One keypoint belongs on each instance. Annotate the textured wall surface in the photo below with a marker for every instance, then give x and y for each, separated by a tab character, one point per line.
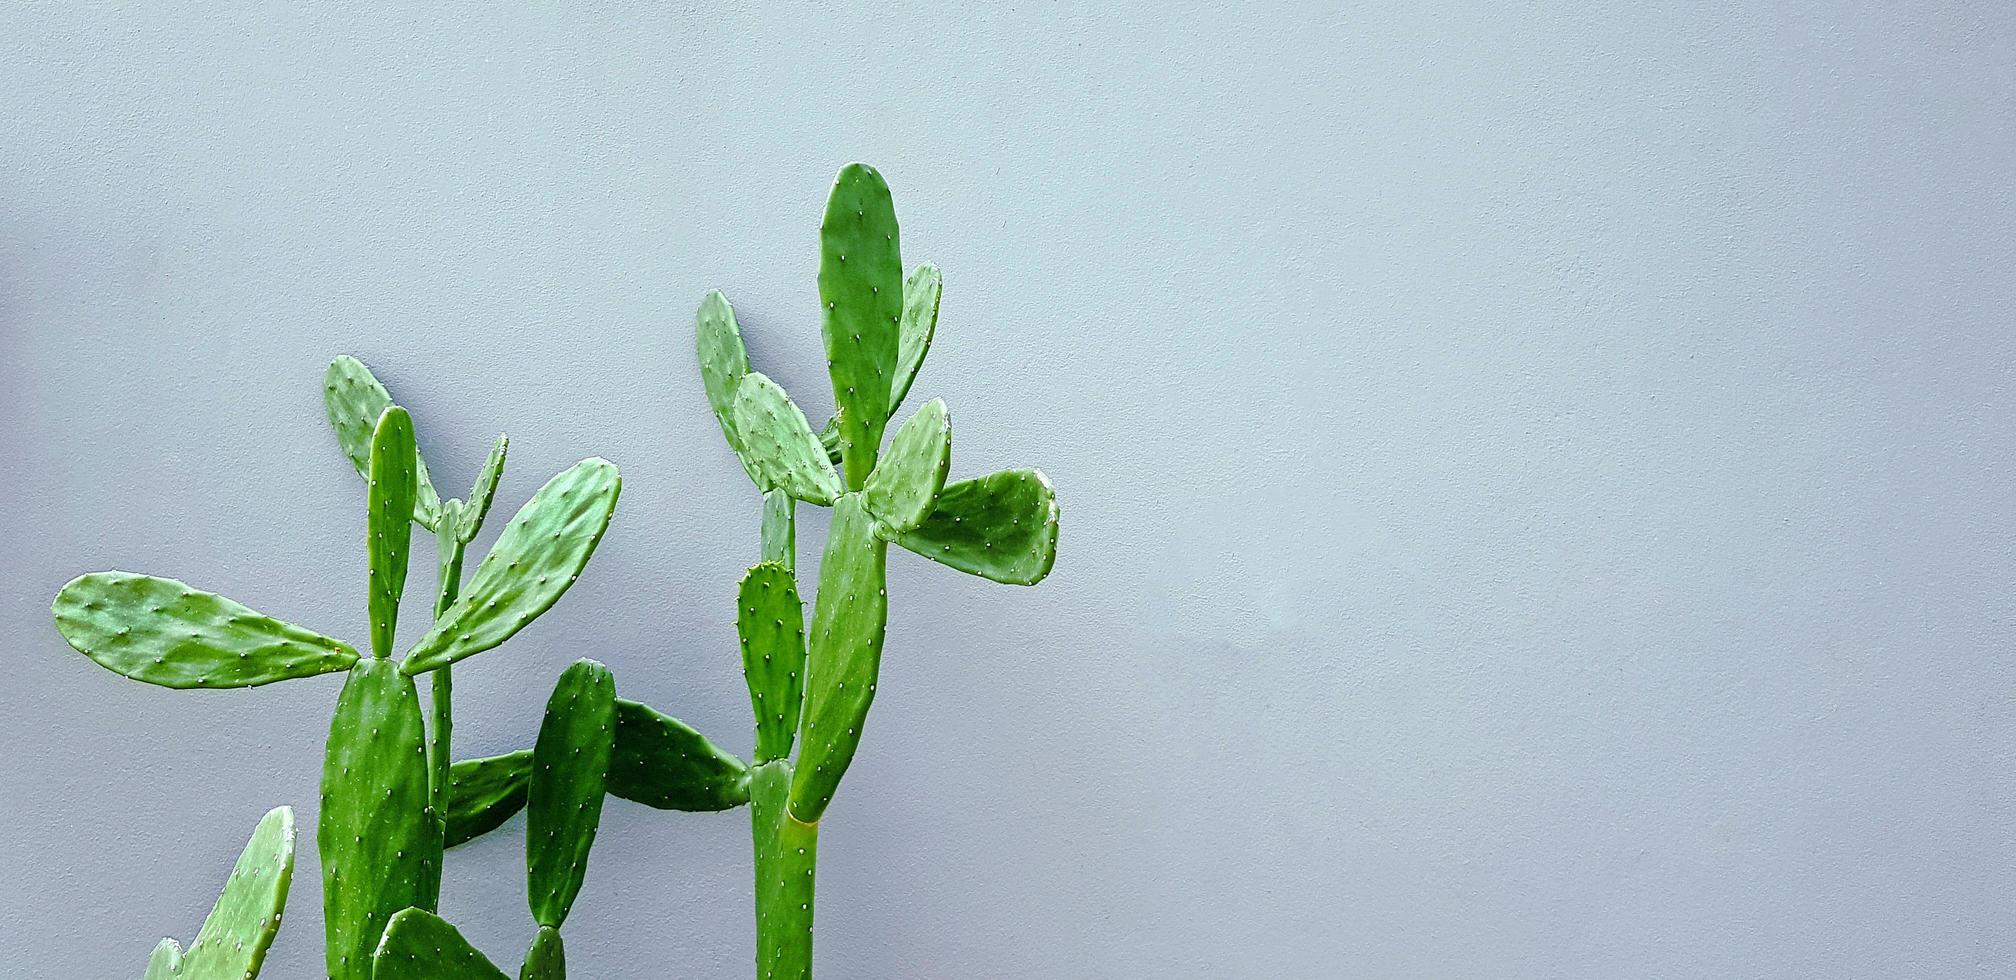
1537	483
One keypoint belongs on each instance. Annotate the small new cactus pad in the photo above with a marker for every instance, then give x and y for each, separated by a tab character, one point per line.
771	624
483	793
470	518
355	401
861	300
920	320
389	540
534	561
779	443
661	762
787	852
844	655
907	480
570	764
381	850
723	362
163	632
419	945
232	944
547	959
167	957
1002	526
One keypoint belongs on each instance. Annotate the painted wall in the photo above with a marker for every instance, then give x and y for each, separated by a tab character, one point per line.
1537	482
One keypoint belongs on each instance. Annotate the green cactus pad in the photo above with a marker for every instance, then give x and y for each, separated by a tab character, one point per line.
390	541
234	939
419	945
780	528
533	563
907	480
381	849
663	763
355	401
163	632
1002	526
861	301
779	443
483	793
771	624
167	957
470	520
845	653
723	362
563	807
547	959
787	851
920	320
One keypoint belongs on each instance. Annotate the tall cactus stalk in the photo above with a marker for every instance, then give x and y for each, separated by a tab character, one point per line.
380	831
815	690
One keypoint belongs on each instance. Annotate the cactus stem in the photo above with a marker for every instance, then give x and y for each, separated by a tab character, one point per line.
787	852
441	723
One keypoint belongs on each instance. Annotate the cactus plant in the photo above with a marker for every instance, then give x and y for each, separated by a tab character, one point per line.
568	774
816	690
381	830
232	943
354	398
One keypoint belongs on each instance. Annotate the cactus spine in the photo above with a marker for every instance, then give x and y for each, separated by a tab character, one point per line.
815	690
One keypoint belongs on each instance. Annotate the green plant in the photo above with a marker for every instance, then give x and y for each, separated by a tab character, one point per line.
233	941
354	399
816	690
379	833
567	776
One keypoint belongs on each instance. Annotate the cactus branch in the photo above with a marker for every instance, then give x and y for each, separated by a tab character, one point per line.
843	658
483	793
419	945
1002	526
780	529
563	807
861	300
381	851
163	632
663	763
233	942
531	566
906	483
786	854
389	539
920	321
779	443
355	401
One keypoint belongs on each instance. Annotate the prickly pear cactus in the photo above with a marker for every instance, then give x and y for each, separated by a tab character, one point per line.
534	562
564	784
419	945
380	850
387	807
483	793
232	944
813	689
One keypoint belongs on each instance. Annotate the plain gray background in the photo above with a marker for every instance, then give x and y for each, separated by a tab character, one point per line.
1536	479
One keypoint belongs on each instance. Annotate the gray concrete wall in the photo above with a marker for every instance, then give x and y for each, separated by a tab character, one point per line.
1536	480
